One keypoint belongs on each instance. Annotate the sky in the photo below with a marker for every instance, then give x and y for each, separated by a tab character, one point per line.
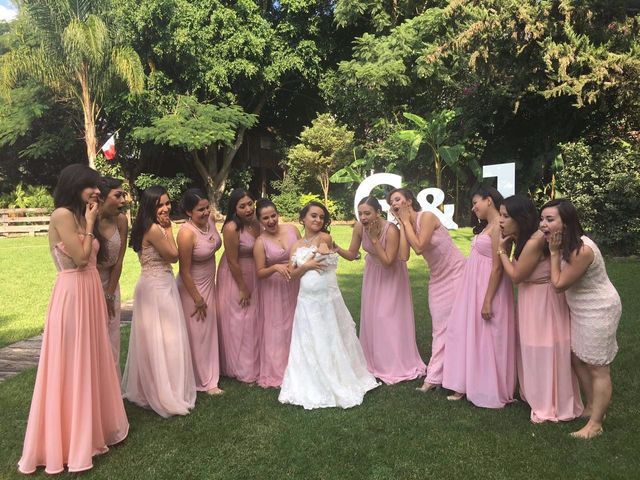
7	10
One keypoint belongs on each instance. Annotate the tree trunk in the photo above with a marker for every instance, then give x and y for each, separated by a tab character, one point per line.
89	112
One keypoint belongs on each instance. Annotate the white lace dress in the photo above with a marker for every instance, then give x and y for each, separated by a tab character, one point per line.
595	310
326	365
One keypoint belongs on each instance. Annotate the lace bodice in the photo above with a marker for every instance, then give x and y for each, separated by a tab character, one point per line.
63	261
152	262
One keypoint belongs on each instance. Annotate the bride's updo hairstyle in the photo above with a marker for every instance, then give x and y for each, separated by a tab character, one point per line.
327	217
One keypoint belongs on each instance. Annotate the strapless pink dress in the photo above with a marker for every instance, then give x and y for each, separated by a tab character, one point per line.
76	409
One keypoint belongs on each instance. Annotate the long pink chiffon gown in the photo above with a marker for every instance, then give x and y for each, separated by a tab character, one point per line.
446	264
277	308
159	372
203	334
387	328
547	382
104	269
76	408
240	330
480	355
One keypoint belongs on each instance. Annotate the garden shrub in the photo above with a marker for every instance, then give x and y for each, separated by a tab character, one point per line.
603	181
29	196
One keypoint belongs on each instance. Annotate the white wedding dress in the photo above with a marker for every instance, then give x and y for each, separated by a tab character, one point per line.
326	365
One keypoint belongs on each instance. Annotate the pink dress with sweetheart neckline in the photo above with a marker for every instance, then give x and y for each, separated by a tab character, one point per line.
387	328
480	355
277	308
203	334
240	329
76	409
446	264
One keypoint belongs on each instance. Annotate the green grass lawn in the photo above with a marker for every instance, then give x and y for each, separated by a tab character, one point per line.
396	433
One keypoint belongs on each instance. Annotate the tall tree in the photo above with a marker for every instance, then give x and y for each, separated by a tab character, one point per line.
324	148
203	131
71	51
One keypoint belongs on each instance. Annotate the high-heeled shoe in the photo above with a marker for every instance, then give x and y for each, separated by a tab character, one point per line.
455	397
427	387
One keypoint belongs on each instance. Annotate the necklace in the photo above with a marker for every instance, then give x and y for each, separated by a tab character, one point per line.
204	232
307	241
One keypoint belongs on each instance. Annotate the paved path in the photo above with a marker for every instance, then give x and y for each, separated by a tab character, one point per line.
24	354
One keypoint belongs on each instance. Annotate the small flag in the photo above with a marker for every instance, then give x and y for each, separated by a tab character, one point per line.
109	147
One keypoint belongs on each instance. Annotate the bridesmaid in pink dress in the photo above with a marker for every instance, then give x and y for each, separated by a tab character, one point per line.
578	269
159	372
112	234
387	328
76	410
480	348
238	295
198	241
547	382
429	238
278	292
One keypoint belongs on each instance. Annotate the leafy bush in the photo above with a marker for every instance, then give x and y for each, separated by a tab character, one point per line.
30	196
287	201
603	181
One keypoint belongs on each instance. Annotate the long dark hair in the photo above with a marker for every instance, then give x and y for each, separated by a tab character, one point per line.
408	195
571	236
327	216
191	198
146	216
105	185
234	198
485	192
522	210
262	204
72	180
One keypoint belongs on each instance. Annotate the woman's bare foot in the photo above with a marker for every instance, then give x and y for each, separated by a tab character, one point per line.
589	431
455	396
215	391
426	386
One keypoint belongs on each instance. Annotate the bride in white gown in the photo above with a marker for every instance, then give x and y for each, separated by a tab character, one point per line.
326	366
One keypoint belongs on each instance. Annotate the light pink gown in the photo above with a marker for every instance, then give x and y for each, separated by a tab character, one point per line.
203	335
480	355
240	329
277	308
159	372
104	269
76	409
387	328
547	382
446	264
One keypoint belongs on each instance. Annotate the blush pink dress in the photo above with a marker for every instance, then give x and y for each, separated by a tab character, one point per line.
104	269
480	355
159	372
277	308
76	409
446	264
547	382
240	329
387	328
203	334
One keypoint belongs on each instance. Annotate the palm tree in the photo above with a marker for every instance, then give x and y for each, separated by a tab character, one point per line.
75	55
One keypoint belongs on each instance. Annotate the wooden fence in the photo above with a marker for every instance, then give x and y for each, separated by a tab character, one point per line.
23	221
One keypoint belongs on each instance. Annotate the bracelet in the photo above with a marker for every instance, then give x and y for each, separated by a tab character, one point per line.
109	296
501	252
90	234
